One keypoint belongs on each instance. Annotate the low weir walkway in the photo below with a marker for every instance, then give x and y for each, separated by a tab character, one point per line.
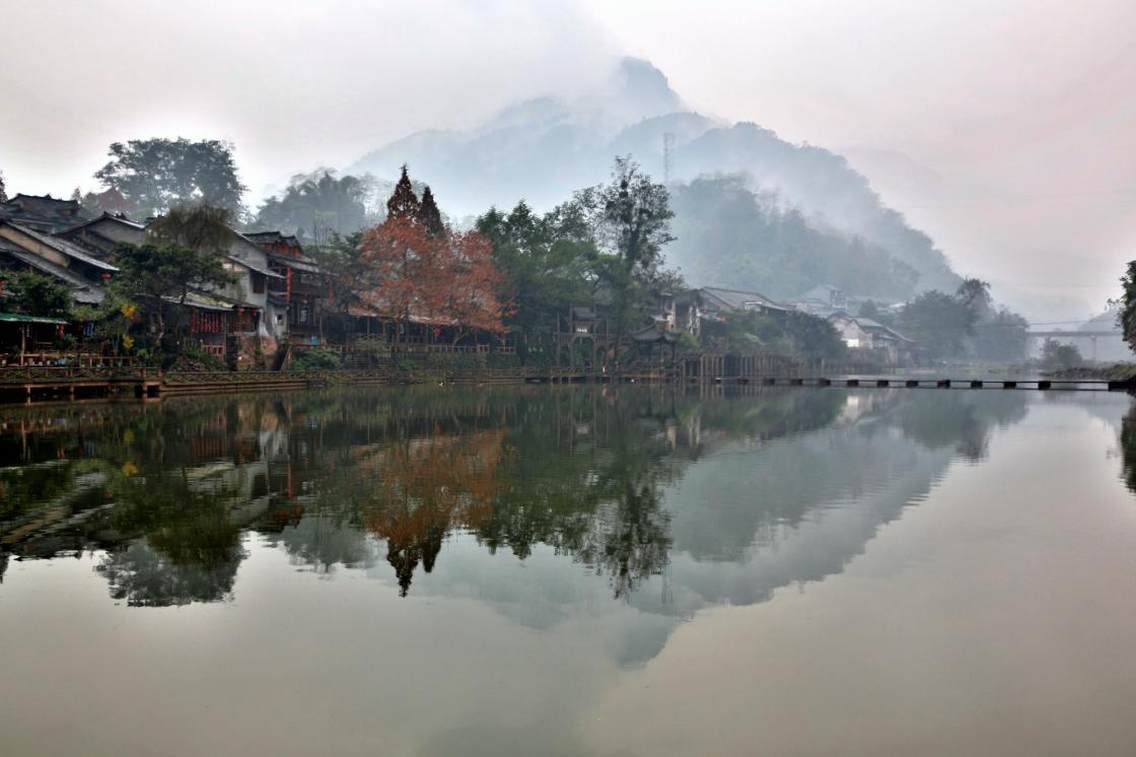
26	385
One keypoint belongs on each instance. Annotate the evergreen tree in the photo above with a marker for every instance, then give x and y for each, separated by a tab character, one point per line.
403	203
3	192
428	214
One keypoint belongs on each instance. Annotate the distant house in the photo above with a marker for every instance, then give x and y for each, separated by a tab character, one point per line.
822	300
866	334
687	310
44	214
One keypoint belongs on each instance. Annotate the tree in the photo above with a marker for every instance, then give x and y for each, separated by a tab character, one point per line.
403	203
938	322
546	266
1057	356
161	274
814	338
397	257
197	226
792	334
732	236
636	215
315	208
974	294
469	283
628	222
1001	335
32	293
411	270
343	265
429	215
3	191
156	174
108	201
869	309
1126	314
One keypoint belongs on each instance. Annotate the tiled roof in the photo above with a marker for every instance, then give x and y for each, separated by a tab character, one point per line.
737	299
44	214
83	290
61	245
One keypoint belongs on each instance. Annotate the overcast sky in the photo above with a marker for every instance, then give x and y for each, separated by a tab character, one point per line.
1004	128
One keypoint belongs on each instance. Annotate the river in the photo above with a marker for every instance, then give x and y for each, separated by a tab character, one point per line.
571	571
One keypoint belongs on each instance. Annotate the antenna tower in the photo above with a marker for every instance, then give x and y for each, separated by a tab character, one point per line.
668	145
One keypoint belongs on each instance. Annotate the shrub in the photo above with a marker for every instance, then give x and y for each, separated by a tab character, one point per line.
318	359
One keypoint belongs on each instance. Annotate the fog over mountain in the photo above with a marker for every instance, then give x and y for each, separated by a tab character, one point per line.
545	148
1001	129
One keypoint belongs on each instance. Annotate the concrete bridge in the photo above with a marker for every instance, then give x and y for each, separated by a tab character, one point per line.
1078	338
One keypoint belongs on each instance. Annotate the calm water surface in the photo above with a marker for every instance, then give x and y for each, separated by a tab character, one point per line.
571	572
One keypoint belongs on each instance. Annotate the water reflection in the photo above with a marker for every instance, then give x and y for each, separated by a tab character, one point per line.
713	498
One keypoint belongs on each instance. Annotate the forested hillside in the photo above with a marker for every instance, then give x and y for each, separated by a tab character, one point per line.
814	220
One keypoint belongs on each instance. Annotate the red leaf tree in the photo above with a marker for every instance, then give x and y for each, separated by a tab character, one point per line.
470	284
417	269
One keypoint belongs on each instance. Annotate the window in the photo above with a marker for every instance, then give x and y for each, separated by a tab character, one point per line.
257	282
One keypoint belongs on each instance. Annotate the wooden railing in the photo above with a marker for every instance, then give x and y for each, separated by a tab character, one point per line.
56	359
45	374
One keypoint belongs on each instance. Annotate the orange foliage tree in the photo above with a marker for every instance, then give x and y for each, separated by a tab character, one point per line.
471	284
428	272
398	261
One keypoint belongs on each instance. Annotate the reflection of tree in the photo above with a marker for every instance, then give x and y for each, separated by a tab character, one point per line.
189	548
427	487
170	487
943	419
1128	447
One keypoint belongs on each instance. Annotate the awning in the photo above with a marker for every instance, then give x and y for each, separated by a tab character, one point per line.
18	318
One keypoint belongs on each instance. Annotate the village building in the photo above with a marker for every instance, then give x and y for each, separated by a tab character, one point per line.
99	236
867	335
822	300
22	248
687	310
297	296
45	214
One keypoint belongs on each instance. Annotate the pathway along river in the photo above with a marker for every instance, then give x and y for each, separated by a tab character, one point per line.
565	571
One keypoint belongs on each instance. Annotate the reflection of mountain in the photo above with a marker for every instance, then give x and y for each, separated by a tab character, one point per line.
675	501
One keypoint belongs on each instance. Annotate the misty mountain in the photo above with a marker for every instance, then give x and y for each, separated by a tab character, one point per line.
545	148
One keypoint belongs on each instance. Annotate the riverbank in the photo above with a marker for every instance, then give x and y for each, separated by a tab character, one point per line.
40	384
1114	372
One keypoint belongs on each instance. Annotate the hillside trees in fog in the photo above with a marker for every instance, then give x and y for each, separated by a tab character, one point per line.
965	324
729	236
316	207
604	245
154	175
